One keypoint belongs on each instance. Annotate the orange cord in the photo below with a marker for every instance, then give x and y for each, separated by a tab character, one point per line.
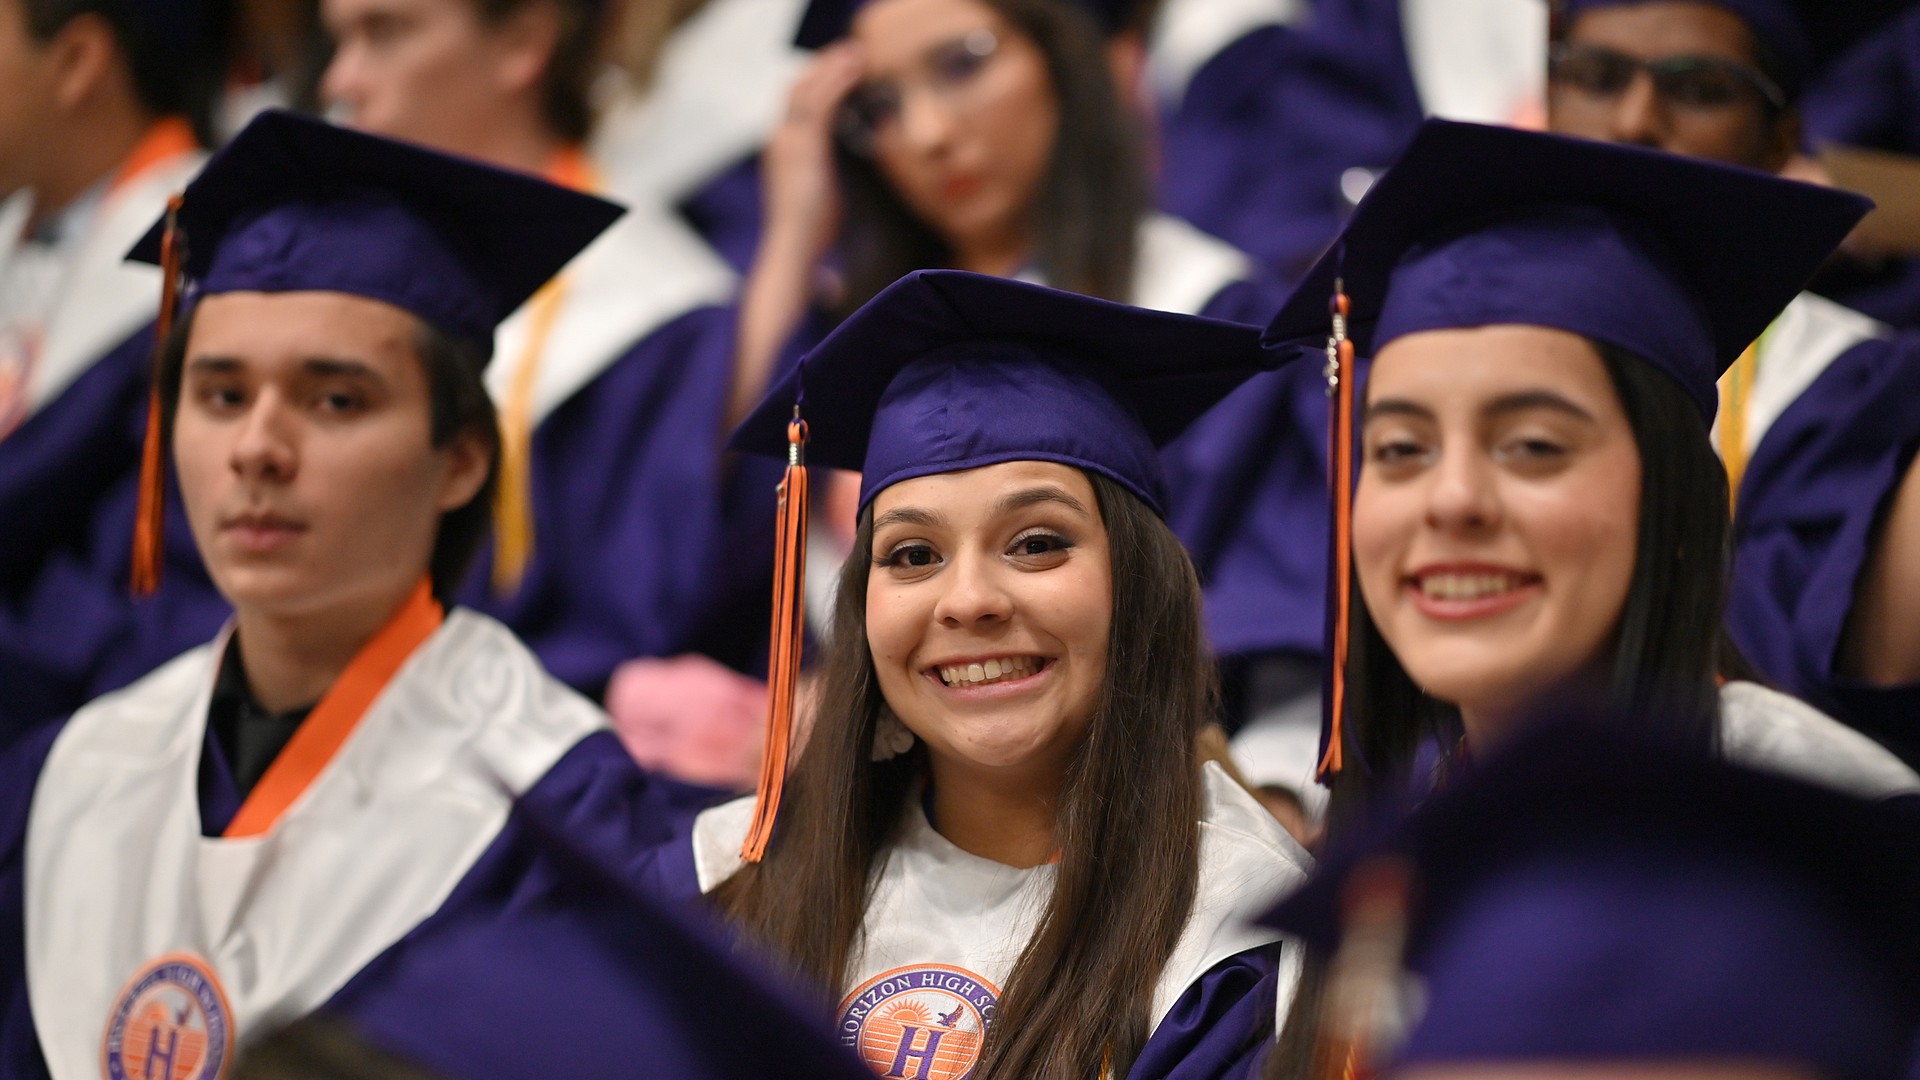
1340	369
783	662
149	521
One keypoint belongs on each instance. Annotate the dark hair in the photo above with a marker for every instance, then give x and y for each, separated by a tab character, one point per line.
1091	200
177	71
1127	825
1669	648
566	85
458	402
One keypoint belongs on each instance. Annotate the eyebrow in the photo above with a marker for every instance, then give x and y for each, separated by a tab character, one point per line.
322	366
1034	496
1500	406
908	515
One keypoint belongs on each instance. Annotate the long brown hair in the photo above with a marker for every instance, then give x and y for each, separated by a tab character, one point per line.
1091	200
1670	647
1082	989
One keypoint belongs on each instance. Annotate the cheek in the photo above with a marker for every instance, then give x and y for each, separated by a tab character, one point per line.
1383	524
1590	530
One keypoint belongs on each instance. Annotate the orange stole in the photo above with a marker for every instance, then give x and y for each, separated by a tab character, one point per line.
338	713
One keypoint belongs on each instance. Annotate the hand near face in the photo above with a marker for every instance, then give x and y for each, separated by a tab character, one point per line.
802	186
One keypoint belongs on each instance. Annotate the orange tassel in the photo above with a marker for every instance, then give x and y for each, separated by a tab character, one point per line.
1340	367
149	521
789	624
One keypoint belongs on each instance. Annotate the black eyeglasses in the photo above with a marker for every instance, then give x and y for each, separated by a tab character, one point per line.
1688	82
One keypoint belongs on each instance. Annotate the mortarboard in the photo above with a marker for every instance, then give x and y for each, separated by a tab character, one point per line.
297	204
827	21
946	370
1680	262
1583	896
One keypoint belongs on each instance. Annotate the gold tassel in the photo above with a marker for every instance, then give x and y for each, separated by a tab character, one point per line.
150	514
789	625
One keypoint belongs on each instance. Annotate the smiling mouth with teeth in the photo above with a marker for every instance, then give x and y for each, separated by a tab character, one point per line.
983	672
1469	586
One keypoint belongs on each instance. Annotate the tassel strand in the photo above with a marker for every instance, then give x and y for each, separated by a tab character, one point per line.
783	664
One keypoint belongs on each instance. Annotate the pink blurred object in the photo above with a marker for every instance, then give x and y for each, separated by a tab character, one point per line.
691	718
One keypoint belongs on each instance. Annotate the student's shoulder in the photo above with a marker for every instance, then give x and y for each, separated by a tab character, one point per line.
1774	732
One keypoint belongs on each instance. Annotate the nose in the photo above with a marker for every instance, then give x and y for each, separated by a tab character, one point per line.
340	83
973	594
265	446
1639	116
1462	497
926	122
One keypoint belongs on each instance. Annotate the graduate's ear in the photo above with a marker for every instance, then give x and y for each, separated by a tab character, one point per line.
1127	61
470	457
528	37
86	59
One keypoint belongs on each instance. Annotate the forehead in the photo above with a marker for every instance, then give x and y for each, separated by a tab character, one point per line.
1473	366
272	329
340	14
895	34
1665	28
971	493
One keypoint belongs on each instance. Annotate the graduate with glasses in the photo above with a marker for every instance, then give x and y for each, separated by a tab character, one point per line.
1816	424
1000	853
316	808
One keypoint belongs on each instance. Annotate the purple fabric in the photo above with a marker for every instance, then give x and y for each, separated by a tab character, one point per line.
69	630
1814	491
608	811
729	213
1248	496
1776	23
646	542
294	203
1871	97
1572	268
1220	1027
1256	148
946	370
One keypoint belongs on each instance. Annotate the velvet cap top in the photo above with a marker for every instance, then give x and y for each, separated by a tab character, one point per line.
1585	897
1681	262
827	21
295	204
946	370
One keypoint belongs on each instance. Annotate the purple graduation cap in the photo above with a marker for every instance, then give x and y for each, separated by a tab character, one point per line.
297	204
946	370
1680	262
827	21
1583	897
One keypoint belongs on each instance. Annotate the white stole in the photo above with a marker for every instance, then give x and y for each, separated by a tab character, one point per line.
118	873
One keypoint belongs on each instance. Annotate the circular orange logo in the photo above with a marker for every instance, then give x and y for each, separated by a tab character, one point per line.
171	1022
923	1022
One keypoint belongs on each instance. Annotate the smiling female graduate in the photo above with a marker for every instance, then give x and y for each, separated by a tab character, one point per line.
1000	851
1539	514
277	815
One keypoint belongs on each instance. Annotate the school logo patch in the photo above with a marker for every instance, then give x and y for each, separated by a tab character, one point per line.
922	1022
172	1022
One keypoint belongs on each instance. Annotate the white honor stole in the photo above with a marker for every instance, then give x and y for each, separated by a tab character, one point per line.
147	940
944	927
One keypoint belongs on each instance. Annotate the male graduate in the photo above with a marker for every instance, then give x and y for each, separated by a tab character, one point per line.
611	538
232	841
100	103
1818	425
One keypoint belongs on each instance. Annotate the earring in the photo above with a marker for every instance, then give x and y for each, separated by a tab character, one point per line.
890	737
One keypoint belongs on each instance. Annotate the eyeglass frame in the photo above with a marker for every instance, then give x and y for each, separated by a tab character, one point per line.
859	134
1770	92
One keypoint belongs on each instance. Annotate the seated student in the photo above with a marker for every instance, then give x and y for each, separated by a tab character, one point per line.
230	840
1589	905
103	101
610	539
991	136
1000	850
1539	512
1817	426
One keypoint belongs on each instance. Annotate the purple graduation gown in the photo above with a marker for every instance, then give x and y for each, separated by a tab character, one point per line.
1256	149
607	809
69	629
728	214
648	539
1816	487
